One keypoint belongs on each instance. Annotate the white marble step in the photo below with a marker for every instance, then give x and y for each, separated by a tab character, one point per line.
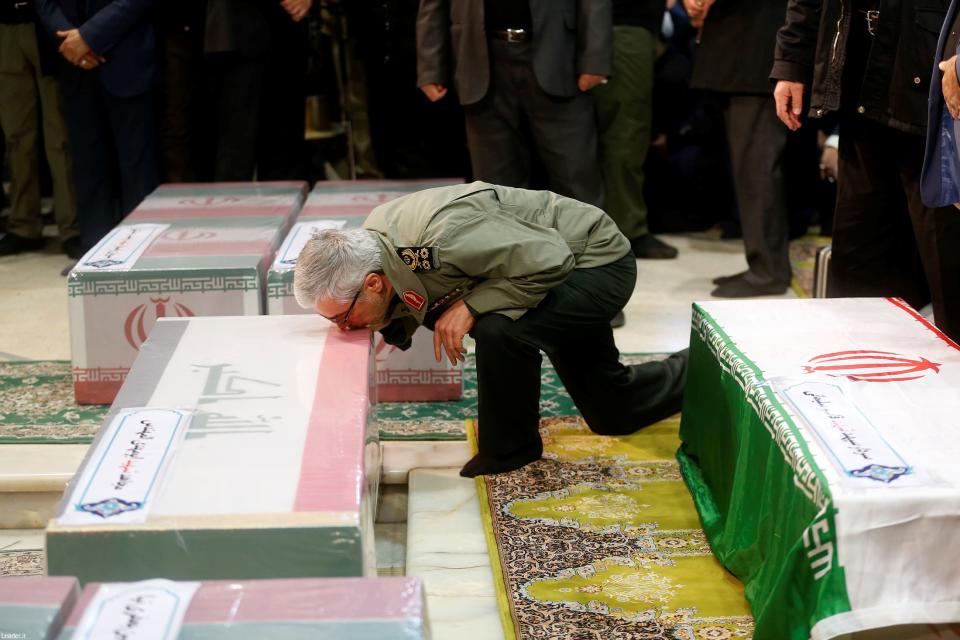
447	549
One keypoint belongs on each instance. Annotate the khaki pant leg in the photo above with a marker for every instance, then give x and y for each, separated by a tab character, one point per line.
57	147
18	118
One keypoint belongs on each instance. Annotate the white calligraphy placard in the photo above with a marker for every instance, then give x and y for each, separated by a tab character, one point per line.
856	448
299	235
120	249
126	469
147	610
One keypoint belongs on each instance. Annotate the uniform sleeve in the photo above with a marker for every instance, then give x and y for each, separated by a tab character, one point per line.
517	262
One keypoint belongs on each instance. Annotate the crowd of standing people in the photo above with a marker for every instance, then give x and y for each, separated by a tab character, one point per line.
588	98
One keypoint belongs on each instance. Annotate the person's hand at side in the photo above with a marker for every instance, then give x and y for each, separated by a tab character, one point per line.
950	86
588	81
296	8
453	324
788	97
434	91
697	10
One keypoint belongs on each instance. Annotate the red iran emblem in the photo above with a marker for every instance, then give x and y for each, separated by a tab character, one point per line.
135	326
414	299
871	366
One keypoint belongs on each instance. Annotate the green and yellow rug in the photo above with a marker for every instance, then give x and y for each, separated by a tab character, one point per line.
600	539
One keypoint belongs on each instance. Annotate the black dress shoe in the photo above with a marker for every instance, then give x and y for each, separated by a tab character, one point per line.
649	247
73	248
726	279
618	320
741	288
11	244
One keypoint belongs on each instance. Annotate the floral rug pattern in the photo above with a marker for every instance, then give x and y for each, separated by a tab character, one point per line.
21	563
600	539
37	405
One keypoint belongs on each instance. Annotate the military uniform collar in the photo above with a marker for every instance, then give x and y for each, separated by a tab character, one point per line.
408	288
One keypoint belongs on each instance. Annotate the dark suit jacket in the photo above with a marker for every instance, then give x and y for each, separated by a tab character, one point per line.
940	180
118	30
241	26
570	37
736	46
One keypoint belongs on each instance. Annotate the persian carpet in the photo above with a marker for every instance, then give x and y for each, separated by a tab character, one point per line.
37	405
21	563
601	539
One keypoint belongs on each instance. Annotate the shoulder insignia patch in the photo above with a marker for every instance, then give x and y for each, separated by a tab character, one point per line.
413	299
419	259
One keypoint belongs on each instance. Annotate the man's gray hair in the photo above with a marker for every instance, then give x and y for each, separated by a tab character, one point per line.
333	265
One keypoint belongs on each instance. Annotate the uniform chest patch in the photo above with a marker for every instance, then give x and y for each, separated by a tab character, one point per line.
419	259
413	299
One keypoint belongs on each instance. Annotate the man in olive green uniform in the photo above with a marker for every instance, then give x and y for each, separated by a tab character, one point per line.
520	271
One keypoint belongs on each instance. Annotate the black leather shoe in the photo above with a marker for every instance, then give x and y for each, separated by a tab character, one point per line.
649	247
618	320
11	244
741	288
726	279
73	248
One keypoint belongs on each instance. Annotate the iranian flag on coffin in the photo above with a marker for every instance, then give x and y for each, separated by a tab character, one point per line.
204	250
338	198
820	440
413	375
238	448
35	606
293	609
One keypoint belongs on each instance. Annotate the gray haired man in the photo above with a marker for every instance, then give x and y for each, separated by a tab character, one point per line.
521	272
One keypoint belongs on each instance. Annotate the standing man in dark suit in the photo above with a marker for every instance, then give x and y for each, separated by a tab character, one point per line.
107	103
734	59
517	64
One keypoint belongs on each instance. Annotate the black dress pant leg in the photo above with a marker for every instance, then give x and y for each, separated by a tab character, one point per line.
572	326
874	248
134	133
94	161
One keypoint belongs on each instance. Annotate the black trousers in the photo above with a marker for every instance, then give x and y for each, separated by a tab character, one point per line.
113	143
886	242
758	142
572	326
563	130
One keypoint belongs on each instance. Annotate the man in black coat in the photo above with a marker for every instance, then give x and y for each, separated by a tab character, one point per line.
870	61
733	58
107	104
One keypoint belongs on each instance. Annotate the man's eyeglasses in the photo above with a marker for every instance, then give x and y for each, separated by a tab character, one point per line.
341	318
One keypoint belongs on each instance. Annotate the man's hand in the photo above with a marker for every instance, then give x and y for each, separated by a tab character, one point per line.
454	323
789	99
434	91
296	8
950	86
588	81
697	10
74	48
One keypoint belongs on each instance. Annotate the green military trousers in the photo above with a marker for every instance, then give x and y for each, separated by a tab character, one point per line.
624	116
